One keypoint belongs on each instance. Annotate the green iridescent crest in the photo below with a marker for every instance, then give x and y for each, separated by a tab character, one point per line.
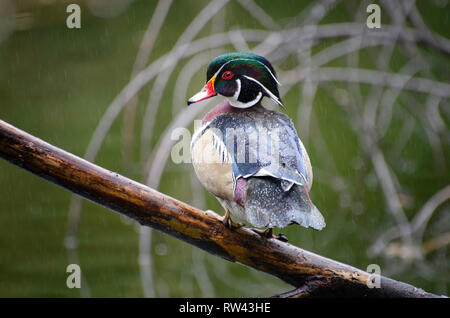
222	59
255	70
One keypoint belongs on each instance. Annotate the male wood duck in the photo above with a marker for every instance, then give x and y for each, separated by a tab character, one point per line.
248	157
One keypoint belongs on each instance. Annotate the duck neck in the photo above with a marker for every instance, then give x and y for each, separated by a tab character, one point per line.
225	107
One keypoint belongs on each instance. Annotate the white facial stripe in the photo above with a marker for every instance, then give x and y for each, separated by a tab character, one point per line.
268	69
234	101
271	95
273	76
238	91
218	71
238	104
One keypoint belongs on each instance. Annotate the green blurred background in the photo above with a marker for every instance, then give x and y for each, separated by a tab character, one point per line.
56	83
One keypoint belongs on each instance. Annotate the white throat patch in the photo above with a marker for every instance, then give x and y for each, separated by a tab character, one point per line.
236	103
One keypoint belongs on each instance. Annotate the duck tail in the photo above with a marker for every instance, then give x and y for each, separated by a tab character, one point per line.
269	204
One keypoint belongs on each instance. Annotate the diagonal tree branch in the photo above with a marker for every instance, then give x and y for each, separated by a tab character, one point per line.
202	229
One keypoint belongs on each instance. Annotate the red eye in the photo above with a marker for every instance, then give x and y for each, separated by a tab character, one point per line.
227	75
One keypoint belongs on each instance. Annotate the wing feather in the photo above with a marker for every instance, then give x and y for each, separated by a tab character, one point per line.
264	144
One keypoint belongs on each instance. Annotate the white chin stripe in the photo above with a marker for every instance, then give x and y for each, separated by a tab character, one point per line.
235	103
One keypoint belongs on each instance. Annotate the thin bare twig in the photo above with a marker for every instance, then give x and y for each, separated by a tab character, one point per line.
259	14
342	74
145	49
418	223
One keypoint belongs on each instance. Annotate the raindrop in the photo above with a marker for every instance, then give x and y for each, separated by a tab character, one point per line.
161	249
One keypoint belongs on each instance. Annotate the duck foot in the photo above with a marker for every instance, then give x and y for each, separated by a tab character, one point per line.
267	233
229	223
281	237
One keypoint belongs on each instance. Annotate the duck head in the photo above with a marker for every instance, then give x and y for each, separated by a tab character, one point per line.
243	78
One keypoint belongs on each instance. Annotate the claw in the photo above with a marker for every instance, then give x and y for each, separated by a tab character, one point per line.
229	223
281	237
267	233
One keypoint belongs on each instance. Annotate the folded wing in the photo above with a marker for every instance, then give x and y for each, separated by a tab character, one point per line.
266	151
